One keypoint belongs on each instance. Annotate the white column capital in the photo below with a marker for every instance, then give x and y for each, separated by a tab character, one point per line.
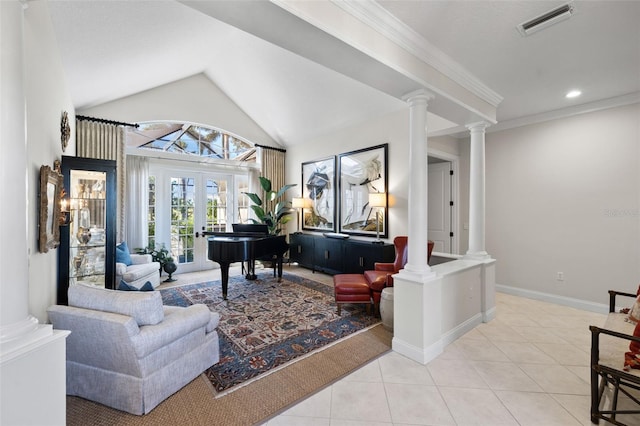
477	126
417	96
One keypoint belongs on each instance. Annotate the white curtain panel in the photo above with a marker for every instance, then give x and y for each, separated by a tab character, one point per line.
253	186
137	202
272	162
106	142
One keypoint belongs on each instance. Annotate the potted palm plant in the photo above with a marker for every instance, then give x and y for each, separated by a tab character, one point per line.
281	209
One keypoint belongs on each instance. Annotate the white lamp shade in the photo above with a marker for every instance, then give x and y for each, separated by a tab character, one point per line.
297	202
377	199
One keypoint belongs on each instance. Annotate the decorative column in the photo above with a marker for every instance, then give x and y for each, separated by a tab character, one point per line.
418	187
32	355
477	221
417	297
15	320
477	193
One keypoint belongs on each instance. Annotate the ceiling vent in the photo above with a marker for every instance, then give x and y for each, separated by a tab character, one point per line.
545	20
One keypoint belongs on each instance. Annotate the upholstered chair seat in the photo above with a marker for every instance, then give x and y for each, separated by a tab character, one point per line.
351	288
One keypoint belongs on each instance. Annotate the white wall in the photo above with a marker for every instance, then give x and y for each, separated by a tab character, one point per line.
393	129
564	196
195	99
46	98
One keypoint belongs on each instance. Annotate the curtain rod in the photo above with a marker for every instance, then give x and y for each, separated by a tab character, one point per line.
102	120
269	147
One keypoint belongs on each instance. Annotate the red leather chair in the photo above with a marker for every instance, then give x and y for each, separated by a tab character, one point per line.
381	276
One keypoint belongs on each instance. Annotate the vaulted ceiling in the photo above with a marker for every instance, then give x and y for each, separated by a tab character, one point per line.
298	79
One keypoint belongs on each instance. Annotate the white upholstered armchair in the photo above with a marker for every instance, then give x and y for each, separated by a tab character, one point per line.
128	351
141	270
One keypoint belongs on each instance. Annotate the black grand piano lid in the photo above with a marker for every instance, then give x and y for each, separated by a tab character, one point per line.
257	228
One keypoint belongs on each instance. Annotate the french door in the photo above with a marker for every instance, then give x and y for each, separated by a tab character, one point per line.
186	203
198	203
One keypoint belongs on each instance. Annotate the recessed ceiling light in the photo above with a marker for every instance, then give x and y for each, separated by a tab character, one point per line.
573	94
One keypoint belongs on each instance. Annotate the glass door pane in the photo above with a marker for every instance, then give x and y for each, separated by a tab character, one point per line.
151	213
87	228
213	218
242	185
183	193
216	214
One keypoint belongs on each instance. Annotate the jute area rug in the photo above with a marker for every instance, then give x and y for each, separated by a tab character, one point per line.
253	403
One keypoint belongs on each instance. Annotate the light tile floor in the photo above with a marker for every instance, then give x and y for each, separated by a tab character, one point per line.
529	366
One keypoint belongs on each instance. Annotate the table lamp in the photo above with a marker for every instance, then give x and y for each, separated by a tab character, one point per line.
377	200
298	204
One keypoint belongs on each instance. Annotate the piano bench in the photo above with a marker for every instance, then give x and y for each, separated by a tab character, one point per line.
351	288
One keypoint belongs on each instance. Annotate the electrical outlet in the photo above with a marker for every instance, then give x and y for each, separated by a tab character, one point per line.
560	276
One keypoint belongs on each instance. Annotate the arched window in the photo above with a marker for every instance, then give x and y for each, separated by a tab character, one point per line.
192	140
204	194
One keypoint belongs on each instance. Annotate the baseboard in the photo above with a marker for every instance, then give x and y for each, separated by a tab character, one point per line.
489	315
585	305
460	330
421	355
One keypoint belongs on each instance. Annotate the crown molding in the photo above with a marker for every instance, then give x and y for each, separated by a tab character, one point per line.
381	20
603	104
618	101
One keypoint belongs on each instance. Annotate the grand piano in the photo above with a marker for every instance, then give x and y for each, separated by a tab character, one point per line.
247	243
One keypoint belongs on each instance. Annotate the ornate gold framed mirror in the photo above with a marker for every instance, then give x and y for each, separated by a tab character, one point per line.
49	224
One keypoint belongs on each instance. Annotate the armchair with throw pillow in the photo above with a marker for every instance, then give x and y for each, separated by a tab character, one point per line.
128	351
135	269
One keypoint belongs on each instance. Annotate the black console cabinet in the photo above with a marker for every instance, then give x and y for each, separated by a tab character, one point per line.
337	256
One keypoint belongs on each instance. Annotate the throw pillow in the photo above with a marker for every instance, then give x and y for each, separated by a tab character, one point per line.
123	286
122	254
147	287
634	312
626	310
632	358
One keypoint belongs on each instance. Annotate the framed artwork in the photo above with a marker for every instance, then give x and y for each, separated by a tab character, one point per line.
49	224
363	172
319	193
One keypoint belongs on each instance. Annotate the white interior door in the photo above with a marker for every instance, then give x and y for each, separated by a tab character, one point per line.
439	206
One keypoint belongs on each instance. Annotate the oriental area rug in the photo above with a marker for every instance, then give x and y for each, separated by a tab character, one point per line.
266	324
